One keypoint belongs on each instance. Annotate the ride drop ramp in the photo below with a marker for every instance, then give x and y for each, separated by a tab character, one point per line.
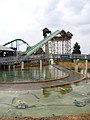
38	45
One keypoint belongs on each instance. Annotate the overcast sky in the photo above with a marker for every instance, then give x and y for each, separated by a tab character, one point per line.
25	19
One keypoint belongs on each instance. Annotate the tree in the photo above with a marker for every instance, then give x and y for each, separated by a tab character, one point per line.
76	49
39	51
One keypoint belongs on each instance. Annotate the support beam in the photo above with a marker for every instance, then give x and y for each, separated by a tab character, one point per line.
22	65
40	64
51	61
76	64
13	67
86	67
9	67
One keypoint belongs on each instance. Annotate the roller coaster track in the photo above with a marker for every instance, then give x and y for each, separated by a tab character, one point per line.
27	55
16	40
13	60
38	45
72	76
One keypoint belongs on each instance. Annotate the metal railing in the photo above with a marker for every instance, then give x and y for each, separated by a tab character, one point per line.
17	59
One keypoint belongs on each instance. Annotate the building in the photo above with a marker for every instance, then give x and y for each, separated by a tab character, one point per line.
5	51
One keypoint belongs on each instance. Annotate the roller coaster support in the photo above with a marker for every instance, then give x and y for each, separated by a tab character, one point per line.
40	64
13	67
9	67
22	65
86	65
76	64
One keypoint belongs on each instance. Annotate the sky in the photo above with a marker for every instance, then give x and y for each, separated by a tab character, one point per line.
25	19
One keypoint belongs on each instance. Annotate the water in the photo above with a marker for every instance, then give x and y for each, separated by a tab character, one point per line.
45	101
32	74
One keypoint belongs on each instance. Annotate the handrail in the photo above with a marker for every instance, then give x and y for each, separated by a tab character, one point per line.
17	59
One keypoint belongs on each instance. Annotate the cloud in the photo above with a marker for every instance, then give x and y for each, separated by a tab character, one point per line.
66	12
26	18
51	6
75	13
73	16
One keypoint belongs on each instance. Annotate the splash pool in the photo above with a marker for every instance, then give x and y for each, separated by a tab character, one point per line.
46	101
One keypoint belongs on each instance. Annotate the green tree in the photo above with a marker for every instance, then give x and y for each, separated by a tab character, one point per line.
76	49
39	51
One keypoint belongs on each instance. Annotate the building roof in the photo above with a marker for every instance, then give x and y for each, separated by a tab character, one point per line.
4	48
